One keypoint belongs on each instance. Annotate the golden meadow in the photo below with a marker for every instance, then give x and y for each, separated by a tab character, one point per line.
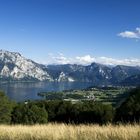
70	132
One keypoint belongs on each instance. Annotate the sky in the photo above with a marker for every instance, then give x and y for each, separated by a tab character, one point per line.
72	31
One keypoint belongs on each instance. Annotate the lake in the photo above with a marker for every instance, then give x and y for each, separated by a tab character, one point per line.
29	91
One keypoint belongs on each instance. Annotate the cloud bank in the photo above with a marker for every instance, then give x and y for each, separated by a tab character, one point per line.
131	34
87	59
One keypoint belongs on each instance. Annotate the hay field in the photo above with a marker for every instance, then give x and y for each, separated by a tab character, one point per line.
69	132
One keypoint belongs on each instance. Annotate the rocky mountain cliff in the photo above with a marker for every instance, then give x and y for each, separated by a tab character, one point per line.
14	67
99	74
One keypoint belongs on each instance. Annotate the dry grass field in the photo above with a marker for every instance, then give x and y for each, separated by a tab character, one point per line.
70	132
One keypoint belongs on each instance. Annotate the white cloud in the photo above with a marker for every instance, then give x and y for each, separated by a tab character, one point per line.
87	59
131	34
60	59
112	61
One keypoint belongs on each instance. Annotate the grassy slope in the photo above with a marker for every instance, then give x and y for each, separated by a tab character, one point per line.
70	132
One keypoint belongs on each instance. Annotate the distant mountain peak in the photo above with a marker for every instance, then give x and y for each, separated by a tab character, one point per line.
8	52
13	66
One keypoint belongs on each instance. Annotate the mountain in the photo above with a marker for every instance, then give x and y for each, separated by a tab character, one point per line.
98	74
133	80
14	67
120	73
66	72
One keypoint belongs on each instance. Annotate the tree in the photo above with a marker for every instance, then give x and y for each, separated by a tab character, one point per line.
96	113
6	107
129	111
29	114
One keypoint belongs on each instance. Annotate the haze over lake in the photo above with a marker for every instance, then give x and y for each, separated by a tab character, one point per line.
29	91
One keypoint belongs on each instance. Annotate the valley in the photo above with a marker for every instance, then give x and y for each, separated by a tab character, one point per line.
69	70
106	95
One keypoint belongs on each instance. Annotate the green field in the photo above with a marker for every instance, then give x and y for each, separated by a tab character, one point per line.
106	95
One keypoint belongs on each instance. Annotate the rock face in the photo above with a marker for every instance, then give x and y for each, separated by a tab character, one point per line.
96	73
13	66
133	80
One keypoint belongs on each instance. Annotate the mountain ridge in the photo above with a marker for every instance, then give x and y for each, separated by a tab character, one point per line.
15	67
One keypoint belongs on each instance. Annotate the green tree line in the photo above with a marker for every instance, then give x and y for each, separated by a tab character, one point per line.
43	111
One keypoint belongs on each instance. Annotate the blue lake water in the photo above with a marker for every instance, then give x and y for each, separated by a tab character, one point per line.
29	91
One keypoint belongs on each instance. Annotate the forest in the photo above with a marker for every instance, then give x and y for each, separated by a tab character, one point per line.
60	111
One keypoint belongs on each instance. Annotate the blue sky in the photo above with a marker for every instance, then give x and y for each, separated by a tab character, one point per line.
51	31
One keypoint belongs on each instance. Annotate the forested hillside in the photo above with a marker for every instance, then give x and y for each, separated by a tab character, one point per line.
43	111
